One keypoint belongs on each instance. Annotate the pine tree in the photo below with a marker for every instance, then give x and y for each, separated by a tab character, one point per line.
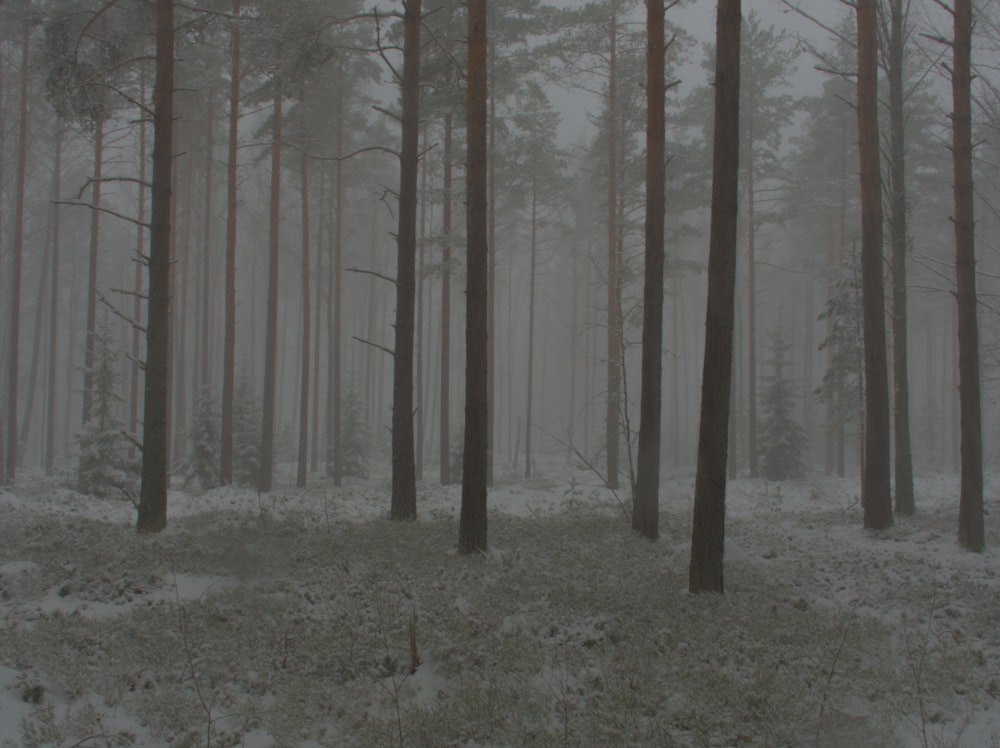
205	440
105	468
781	439
246	433
354	438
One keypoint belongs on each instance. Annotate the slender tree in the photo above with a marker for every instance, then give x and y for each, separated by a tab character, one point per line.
229	337
50	428
708	529
612	415
971	533
876	497
13	440
265	477
472	533
153	491
645	503
404	486
300	480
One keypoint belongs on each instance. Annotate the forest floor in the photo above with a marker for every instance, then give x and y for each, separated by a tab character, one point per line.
306	618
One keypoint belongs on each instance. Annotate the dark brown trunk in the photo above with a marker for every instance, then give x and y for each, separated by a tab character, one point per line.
444	444
903	464
205	366
971	534
751	299
404	488
337	368
50	414
876	497
136	368
491	296
266	475
318	315
708	530
419	348
153	493
645	505
472	533
180	381
302	472
95	234
614	306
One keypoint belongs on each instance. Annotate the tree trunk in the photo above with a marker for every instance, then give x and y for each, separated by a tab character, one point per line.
13	441
708	530
531	333
971	534
266	476
303	466
491	296
420	344
50	414
404	488
133	415
229	338
905	502
180	381
645	505
472	534
153	493
444	444
318	316
876	498
95	234
614	306
337	310
204	367
751	298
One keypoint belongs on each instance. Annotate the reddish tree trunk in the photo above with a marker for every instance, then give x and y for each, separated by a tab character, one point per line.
614	306
971	534
153	494
876	497
204	368
300	479
472	533
266	475
133	414
404	488
444	445
531	334
50	428
95	234
708	529
645	506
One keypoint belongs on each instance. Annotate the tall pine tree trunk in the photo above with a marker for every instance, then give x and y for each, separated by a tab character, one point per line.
903	464
614	306
876	498
971	534
153	492
337	309
472	532
444	444
95	235
708	530
50	423
318	316
302	472
404	488
531	332
13	441
645	505
229	337
204	365
265	478
133	414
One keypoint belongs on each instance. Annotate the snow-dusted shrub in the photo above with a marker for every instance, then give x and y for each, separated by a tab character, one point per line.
202	466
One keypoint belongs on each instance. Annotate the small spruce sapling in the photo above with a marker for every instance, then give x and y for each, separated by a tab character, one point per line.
205	440
246	433
105	466
354	438
780	439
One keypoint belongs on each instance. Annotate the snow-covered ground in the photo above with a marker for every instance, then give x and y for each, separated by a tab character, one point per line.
305	618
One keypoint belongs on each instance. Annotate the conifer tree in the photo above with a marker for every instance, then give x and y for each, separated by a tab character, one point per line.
246	432
205	440
782	440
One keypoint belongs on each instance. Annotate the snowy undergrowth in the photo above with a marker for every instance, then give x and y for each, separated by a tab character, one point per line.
306	618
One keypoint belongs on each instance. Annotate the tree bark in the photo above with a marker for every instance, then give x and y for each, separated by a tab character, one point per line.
444	444
153	492
708	530
303	466
95	234
265	478
472	534
645	505
876	497
971	533
50	427
337	305
903	464
133	415
205	366
318	316
229	337
531	332
404	487
13	440
612	415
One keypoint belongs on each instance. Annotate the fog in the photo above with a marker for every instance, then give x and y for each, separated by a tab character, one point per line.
549	139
